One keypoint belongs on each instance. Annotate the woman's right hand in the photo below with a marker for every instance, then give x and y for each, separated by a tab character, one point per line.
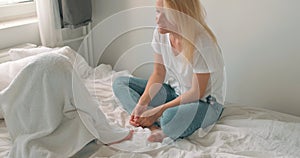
136	113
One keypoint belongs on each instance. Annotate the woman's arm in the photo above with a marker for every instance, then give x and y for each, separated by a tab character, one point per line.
195	93
155	81
153	85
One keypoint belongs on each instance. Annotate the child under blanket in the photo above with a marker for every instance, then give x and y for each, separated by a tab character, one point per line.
46	102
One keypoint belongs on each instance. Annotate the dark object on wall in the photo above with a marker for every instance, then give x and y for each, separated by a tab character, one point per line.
75	13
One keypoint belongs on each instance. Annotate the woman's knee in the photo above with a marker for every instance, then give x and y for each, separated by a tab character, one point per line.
182	121
168	115
122	81
168	123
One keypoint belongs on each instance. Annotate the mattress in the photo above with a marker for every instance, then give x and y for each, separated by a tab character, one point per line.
241	131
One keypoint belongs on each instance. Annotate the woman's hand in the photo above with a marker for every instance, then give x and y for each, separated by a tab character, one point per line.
136	113
150	116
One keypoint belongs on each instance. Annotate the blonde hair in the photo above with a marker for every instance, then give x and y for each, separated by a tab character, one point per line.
185	14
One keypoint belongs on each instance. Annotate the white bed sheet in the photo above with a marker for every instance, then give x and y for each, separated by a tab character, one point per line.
241	131
5	142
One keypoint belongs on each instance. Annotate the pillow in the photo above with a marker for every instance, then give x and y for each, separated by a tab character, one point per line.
4	56
19	53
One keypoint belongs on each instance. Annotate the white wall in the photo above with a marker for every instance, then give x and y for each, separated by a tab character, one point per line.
131	42
260	42
259	39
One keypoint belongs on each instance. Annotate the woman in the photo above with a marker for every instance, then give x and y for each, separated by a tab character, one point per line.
188	58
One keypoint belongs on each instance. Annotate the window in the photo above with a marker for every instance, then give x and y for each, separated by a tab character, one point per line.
16	9
6	2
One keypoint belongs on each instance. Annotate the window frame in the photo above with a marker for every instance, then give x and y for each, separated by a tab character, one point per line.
17	11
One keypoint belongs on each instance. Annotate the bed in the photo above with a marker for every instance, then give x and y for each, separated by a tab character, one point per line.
240	132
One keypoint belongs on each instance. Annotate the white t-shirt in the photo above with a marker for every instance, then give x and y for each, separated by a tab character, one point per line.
179	72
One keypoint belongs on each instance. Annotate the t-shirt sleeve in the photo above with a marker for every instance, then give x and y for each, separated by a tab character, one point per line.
156	43
208	59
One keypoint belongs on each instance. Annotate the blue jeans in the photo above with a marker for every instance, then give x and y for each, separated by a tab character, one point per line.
176	122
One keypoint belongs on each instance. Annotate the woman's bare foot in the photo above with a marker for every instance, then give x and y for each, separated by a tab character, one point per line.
153	127
157	136
126	138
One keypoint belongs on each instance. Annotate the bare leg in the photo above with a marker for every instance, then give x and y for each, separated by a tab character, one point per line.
126	138
157	135
153	127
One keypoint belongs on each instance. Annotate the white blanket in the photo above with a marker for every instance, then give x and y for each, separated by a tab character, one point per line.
48	110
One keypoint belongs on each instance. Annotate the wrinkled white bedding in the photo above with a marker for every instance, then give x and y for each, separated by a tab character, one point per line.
241	132
46	106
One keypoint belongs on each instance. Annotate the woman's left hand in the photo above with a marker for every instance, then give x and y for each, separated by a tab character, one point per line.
150	116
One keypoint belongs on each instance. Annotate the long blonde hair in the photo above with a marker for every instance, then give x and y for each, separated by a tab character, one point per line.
185	14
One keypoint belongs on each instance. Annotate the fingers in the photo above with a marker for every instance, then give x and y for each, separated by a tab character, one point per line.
133	120
137	113
131	117
133	123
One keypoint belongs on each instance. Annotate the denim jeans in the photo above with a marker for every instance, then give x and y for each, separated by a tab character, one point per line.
176	122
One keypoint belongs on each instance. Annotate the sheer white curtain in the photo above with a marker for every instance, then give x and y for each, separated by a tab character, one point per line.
49	23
